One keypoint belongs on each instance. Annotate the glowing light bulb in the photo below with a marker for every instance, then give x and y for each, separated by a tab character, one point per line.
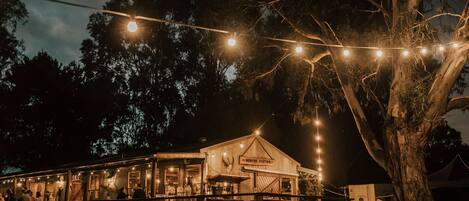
298	49
118	170
405	53
171	169
346	53
158	181
319	169
318	150
132	26
423	51
317	122
379	53
441	48
319	161
318	137
455	45
231	42
257	132
91	173
224	153
241	146
149	165
148	176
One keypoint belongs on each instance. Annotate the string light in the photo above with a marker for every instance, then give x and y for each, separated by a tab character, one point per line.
346	53
298	50
257	132
455	45
424	51
379	53
318	148
405	53
231	42
441	48
132	26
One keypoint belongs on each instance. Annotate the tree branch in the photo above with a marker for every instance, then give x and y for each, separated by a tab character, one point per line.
296	28
460	102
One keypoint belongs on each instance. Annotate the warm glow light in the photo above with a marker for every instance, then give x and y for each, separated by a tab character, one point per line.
132	26
455	45
118	170
319	169
148	176
158	181
19	184
133	168
231	42
319	161
318	137
257	132
423	51
298	49
171	169
91	173
224	153
317	122
441	48
105	171
318	150
346	53
213	155
225	184
149	165
379	53
241	146
405	53
48	177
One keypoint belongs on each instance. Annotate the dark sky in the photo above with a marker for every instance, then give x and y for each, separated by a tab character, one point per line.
59	30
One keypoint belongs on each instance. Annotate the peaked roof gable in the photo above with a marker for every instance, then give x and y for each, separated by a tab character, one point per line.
260	140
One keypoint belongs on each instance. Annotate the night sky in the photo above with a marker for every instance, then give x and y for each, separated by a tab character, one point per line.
60	29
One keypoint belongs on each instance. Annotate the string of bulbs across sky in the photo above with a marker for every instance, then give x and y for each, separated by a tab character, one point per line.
298	49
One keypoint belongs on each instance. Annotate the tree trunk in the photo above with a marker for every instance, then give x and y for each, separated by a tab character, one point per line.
406	167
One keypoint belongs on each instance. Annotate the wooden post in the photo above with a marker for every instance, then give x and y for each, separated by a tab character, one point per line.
68	184
153	178
202	169
162	180
15	186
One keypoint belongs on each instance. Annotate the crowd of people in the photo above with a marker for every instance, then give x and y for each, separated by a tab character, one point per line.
26	195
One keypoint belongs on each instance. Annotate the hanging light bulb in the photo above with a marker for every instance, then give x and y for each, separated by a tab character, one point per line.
317	122
318	137
405	53
132	26
424	51
379	53
231	42
257	132
441	48
455	45
346	53
319	161
298	50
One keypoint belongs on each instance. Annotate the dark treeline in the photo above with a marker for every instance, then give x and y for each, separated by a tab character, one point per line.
166	87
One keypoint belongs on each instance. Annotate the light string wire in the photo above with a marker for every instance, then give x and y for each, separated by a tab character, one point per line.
319	161
165	21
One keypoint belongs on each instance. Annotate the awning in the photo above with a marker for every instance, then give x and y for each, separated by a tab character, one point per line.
228	178
269	171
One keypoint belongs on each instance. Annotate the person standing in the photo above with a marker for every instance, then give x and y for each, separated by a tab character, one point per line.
139	193
121	195
38	196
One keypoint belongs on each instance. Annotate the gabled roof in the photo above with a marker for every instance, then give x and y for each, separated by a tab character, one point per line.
261	139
